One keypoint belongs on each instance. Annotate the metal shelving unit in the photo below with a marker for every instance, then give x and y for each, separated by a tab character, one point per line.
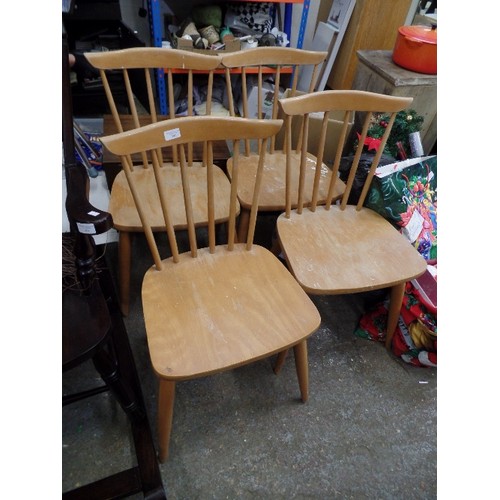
157	31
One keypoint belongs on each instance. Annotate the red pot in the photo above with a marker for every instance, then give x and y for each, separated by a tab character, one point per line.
416	49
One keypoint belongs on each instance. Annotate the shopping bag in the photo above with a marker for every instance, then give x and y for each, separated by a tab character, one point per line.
405	193
415	337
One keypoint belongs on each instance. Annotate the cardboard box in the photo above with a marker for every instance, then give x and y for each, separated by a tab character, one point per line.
335	124
229	46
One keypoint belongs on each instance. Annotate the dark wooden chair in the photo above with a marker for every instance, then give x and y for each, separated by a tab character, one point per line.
93	329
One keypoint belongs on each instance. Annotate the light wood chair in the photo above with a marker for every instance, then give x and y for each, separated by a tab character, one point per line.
135	67
214	308
288	65
341	248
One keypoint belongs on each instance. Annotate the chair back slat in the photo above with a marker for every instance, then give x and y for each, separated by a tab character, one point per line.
319	161
355	161
151	97
135	67
169	227
171	110
284	65
274	114
190	112
348	102
338	154
256	193
111	102
208	158
303	159
188	206
233	196
133	110
139	203
181	132
288	165
375	162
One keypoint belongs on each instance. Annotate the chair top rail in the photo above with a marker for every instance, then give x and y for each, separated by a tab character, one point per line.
181	131
263	56
335	100
152	57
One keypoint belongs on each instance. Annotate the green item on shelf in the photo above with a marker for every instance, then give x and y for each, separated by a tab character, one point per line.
206	15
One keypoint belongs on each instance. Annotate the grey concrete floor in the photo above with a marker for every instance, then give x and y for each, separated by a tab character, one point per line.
368	431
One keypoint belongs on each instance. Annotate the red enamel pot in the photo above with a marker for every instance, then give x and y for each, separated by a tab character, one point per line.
416	49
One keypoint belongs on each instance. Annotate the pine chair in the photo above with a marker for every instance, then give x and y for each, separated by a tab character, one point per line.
135	67
341	248
220	306
289	65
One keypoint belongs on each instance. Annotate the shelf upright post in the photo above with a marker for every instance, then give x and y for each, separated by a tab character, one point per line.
156	38
303	23
287	23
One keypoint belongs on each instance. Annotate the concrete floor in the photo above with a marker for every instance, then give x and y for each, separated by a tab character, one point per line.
368	430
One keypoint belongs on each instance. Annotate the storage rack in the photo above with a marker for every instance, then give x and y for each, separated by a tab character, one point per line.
156	36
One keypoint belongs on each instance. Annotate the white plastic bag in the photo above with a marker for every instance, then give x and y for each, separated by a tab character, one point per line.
250	18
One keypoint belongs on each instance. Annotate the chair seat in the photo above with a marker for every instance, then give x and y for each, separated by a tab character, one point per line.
124	212
272	193
379	256
218	311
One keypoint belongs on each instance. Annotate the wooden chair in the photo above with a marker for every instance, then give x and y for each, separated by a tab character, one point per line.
214	308
341	248
288	64
135	67
93	329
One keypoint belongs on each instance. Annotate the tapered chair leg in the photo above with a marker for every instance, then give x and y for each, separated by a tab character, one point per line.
395	303
243	225
166	400
280	360
124	258
276	247
302	367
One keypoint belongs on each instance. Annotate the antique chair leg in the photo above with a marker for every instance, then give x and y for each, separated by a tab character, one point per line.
107	366
124	257
280	360
301	365
395	303
166	400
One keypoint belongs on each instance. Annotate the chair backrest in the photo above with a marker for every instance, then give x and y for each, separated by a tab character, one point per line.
367	104
287	66
181	132
135	68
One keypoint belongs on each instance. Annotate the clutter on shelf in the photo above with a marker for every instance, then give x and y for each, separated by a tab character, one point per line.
226	27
